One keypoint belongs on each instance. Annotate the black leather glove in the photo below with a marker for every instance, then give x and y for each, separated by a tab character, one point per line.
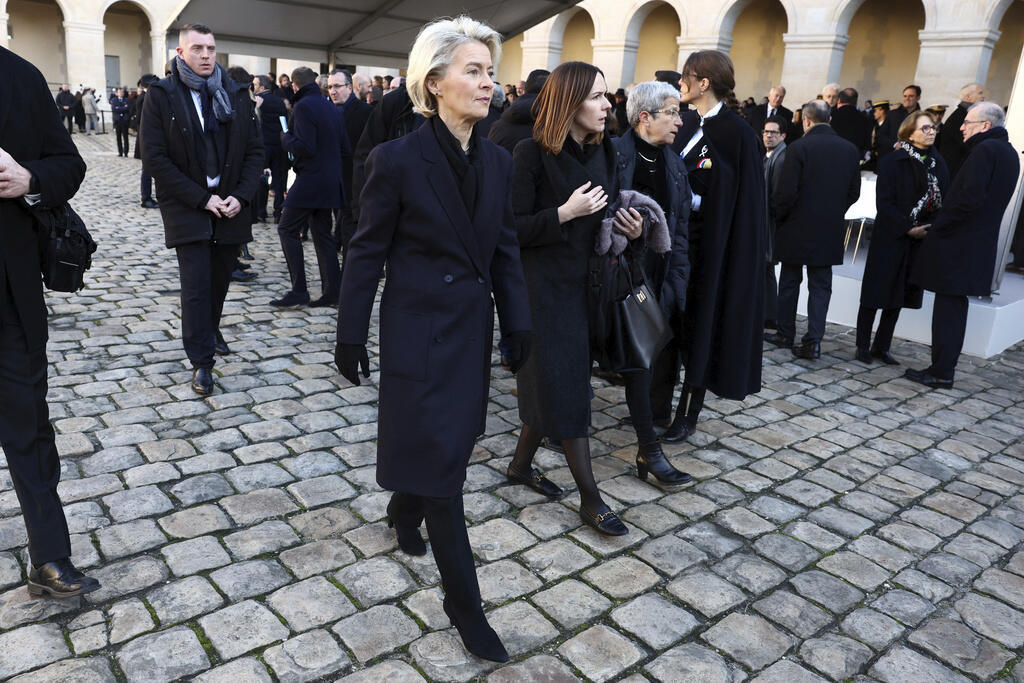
518	349
349	358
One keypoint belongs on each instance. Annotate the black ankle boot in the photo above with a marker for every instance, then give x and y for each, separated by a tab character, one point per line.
679	431
477	635
650	458
406	528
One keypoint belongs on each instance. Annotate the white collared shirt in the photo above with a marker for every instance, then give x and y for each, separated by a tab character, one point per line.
696	200
211	183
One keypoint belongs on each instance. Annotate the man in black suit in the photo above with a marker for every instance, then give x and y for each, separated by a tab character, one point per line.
66	105
958	254
773	137
318	143
201	144
820	181
774	107
356	112
911	103
39	166
850	124
951	143
883	133
135	123
271	109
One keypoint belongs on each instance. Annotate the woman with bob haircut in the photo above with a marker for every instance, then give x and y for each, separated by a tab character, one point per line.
563	178
435	209
911	183
721	339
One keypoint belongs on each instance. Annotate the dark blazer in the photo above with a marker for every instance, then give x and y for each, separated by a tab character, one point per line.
271	109
135	120
356	114
958	254
65	99
170	139
119	110
669	277
515	124
884	138
820	181
772	174
318	142
31	132
446	273
951	143
760	114
852	125
902	181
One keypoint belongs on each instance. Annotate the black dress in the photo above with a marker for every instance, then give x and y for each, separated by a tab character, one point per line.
554	384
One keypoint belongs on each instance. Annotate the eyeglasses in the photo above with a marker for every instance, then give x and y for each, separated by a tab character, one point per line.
967	121
928	128
772	132
671	113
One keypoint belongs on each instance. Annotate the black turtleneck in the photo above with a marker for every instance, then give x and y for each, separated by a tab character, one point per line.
465	165
649	176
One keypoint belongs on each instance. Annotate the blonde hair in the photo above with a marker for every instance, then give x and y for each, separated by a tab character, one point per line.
434	50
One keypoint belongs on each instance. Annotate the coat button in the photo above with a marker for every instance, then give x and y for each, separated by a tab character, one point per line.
449	278
480	280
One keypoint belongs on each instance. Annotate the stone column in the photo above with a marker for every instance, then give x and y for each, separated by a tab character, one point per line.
541	54
617	59
950	59
811	61
84	41
4	17
158	47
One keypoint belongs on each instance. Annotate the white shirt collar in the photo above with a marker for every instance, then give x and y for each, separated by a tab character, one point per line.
713	112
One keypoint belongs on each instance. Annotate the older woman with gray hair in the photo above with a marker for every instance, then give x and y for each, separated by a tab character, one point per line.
436	209
648	165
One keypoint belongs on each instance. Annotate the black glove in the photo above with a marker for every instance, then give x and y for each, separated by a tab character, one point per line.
349	358
517	349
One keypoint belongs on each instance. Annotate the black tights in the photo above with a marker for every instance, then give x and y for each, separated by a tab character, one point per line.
691	402
638	398
577	456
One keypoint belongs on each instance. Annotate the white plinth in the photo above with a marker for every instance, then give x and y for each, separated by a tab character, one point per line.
992	325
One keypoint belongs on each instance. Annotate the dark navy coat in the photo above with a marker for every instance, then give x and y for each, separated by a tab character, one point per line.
446	272
318	141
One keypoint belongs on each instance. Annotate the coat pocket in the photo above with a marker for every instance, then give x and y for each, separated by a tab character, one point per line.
404	343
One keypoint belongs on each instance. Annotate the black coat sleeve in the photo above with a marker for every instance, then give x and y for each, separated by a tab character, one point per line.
968	194
787	192
507	280
535	228
677	276
301	140
59	168
853	191
171	180
252	161
373	134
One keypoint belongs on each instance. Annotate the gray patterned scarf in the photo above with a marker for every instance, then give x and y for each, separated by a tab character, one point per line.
932	199
214	84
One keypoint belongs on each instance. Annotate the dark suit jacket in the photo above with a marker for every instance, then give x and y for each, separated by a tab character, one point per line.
853	126
356	114
31	132
271	110
446	273
820	181
760	114
318	142
951	143
772	174
958	254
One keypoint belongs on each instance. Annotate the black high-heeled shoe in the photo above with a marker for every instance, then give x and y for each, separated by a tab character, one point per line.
535	480
650	458
409	539
679	431
477	635
607	522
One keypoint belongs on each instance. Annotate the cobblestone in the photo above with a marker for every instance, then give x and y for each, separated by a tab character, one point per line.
844	522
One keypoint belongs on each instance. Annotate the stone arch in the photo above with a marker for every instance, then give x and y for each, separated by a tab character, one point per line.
107	4
642	9
561	22
995	12
846	10
579	47
756	46
37	34
657	44
883	51
127	45
731	10
1002	70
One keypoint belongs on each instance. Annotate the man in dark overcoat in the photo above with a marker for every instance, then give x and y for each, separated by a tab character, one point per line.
39	165
850	123
951	144
773	137
356	113
773	107
66	106
135	123
958	255
516	123
318	143
820	181
201	143
271	108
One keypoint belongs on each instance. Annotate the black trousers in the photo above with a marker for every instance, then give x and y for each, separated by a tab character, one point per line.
771	295
321	221
665	374
204	269
886	328
121	130
28	443
638	399
146	187
277	162
949	325
819	293
69	118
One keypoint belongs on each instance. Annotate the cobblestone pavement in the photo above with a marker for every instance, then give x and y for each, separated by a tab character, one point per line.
845	523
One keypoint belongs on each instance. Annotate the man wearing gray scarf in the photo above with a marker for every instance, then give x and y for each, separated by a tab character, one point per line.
201	144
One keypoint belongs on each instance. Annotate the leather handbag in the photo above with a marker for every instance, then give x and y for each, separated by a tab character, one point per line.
642	329
65	247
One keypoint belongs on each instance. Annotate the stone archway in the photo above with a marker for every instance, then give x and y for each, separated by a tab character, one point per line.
577	37
127	46
757	49
882	54
36	31
655	27
1002	70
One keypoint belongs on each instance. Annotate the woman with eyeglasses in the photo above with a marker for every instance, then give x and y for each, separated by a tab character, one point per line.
648	165
911	183
720	337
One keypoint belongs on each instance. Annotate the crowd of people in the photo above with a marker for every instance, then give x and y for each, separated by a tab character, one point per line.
470	200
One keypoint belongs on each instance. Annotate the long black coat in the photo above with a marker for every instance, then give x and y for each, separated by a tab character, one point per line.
356	114
902	181
820	181
958	254
170	138
554	384
271	109
853	126
670	274
725	312
318	142
437	311
515	124
772	174
951	145
31	132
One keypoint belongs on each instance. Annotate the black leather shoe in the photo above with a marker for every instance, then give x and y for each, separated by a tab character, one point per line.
884	356
778	340
59	579
808	350
149	204
291	300
926	378
863	356
650	458
325	302
477	635
239	275
536	481
553	445
221	348
246	254
409	539
607	522
771	325
679	431
202	381
243	266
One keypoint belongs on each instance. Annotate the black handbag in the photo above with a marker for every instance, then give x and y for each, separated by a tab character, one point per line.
65	247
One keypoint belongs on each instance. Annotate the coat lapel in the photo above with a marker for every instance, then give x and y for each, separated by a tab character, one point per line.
442	181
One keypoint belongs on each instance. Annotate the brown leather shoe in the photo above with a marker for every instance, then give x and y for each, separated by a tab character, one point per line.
59	579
